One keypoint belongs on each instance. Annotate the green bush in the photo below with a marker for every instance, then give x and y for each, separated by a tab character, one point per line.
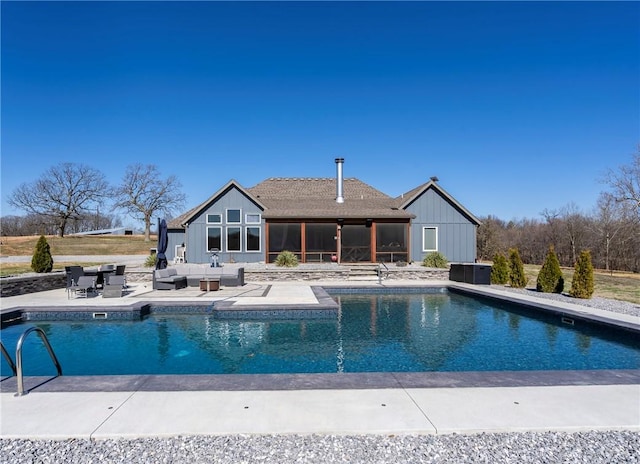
150	261
500	270
286	259
582	283
550	278
435	259
42	260
517	278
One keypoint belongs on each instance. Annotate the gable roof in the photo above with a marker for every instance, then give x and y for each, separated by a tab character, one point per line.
315	198
406	199
184	219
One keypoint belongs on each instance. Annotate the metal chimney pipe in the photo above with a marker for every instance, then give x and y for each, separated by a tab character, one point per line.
339	181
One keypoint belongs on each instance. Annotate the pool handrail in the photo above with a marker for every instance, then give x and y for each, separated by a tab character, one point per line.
53	356
5	353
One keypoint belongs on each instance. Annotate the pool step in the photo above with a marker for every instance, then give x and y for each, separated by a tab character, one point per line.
363	272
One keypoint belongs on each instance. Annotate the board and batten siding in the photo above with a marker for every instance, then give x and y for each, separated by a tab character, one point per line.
456	232
196	233
175	238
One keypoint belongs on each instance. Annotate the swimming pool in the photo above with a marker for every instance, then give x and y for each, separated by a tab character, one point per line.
436	331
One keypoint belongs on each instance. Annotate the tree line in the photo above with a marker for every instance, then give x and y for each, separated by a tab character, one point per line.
69	197
611	231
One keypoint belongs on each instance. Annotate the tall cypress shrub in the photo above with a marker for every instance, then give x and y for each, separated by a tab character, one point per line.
550	278
582	283
41	260
500	270
517	278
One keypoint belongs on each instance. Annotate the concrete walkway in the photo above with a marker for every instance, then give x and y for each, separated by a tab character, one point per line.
137	410
369	411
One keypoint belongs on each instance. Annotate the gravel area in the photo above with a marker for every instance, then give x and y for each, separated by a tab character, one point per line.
548	447
605	304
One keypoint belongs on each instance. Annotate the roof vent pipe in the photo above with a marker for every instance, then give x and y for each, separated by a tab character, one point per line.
339	181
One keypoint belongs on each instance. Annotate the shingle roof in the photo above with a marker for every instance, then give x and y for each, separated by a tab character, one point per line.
313	187
316	198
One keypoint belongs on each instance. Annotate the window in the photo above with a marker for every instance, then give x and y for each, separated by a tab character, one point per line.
214	238
233	216
252	238
214	218
233	239
429	239
252	218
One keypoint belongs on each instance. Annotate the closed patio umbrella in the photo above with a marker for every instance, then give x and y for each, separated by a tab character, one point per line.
163	241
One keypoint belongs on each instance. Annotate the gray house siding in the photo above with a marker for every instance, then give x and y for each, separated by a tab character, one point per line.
456	233
196	231
176	237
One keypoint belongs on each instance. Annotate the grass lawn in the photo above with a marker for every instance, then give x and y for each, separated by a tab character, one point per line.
623	286
80	245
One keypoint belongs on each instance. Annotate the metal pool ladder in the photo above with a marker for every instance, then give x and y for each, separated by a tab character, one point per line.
18	365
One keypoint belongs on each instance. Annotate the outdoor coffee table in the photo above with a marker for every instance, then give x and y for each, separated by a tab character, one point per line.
209	285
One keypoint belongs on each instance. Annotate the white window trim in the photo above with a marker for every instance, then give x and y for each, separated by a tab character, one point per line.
207	237
212	214
246	218
246	231
226	215
424	247
226	237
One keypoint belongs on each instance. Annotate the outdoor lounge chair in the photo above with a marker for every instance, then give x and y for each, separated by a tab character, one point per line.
116	280
113	287
83	286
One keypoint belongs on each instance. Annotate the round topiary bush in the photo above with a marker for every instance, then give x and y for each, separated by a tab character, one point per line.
286	259
42	261
582	282
500	270
435	259
517	278
550	278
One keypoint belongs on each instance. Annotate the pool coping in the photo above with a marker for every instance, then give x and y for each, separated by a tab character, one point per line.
331	381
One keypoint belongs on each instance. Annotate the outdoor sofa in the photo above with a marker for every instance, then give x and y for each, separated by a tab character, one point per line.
168	279
229	276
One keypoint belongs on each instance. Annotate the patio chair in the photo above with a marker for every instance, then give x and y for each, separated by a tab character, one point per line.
73	272
120	269
116	280
83	286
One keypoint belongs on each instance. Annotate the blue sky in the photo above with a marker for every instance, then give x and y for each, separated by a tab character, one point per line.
517	107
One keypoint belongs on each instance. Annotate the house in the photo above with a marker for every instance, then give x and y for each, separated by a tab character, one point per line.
324	220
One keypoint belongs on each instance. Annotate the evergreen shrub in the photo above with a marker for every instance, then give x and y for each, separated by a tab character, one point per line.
517	278
500	270
286	259
42	261
435	259
582	282
550	278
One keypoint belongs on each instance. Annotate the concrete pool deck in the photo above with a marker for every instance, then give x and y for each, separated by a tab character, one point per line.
436	403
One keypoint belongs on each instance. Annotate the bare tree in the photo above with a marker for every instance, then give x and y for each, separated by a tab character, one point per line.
608	223
64	192
143	193
575	225
625	183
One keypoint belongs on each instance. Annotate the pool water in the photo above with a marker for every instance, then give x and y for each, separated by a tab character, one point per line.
372	333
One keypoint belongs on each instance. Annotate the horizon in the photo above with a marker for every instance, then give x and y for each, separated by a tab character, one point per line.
516	107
